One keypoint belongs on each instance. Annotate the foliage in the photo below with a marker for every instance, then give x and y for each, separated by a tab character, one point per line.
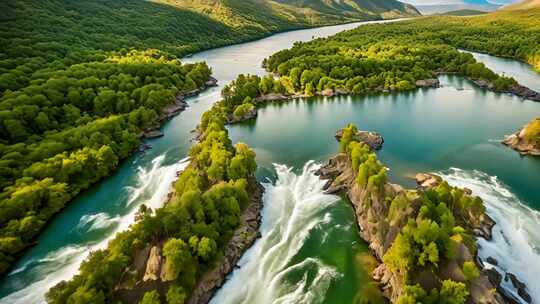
71	128
384	57
151	297
195	224
429	223
470	271
532	131
453	292
243	109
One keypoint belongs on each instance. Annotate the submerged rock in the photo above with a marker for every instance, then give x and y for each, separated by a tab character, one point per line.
373	139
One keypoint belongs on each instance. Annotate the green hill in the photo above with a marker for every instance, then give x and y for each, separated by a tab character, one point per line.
523	5
357	8
464	12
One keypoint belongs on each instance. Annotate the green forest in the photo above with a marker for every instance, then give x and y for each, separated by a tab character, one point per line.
77	90
375	58
194	225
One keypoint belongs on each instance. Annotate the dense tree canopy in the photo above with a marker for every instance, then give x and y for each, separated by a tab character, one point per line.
437	222
70	127
194	226
375	58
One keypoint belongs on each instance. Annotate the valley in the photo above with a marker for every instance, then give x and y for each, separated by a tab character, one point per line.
87	219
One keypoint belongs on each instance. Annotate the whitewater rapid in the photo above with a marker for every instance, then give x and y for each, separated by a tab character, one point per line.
516	236
293	206
152	186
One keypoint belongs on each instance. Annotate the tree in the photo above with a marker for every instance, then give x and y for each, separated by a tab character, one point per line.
453	292
151	297
470	271
177	257
176	295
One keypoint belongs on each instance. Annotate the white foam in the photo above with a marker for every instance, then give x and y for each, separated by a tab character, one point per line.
293	206
153	185
516	236
91	222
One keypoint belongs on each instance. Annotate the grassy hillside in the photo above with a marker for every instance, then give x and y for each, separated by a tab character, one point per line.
509	33
523	5
357	8
464	12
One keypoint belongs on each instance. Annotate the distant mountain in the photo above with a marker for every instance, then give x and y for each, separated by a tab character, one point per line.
443	8
464	12
527	4
357	8
234	12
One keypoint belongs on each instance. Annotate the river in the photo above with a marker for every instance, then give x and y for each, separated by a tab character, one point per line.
310	251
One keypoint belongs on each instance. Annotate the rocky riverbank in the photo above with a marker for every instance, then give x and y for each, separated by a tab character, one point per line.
241	241
174	109
517	90
373	139
147	270
277	97
379	226
523	140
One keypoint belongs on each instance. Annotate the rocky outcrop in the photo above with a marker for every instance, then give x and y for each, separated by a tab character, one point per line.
211	82
517	90
428	83
242	239
271	97
250	114
519	142
371	209
153	265
373	139
519	286
153	133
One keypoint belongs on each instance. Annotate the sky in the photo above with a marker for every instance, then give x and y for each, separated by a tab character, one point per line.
480	2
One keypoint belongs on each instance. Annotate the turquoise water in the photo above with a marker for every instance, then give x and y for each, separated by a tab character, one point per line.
457	126
454	130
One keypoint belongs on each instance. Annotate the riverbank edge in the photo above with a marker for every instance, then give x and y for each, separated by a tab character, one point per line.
243	238
517	90
519	143
177	106
341	179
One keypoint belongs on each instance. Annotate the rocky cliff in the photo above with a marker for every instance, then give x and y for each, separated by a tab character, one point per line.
527	140
384	212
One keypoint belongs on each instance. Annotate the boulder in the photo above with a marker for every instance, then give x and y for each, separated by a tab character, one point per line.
271	97
249	115
426	180
211	82
519	142
153	265
327	93
428	83
492	261
153	134
373	139
519	286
